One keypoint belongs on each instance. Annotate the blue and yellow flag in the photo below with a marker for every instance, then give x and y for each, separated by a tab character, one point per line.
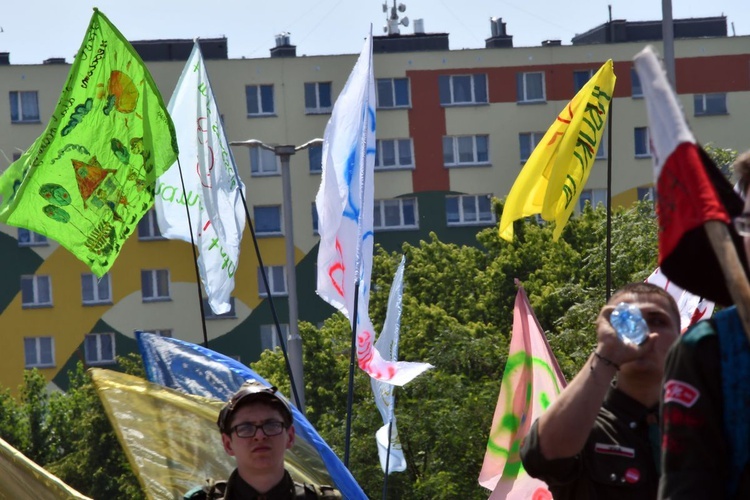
551	181
89	178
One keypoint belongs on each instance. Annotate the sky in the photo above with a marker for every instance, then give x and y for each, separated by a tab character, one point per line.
35	30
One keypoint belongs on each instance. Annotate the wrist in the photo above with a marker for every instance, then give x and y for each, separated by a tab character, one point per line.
599	358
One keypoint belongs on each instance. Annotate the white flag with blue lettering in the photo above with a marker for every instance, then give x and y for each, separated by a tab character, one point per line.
212	185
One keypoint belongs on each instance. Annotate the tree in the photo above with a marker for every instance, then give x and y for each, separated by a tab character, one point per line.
457	315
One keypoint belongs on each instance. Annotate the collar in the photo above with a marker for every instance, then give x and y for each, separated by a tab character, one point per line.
628	408
239	488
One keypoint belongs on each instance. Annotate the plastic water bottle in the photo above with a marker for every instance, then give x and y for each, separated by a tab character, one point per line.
629	324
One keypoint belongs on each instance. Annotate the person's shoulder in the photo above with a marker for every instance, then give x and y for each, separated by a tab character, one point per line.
698	333
211	490
310	490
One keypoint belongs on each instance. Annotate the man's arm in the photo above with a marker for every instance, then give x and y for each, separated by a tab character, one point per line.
694	450
567	423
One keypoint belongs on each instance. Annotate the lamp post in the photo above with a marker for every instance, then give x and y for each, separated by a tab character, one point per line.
294	341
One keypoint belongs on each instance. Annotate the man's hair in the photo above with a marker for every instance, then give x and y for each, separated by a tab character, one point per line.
643	288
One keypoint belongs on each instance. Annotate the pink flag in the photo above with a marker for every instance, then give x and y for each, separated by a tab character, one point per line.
692	308
531	382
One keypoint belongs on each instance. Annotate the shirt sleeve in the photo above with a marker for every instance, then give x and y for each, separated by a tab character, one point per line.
693	447
552	472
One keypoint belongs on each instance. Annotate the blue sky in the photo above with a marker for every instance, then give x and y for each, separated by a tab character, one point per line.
34	30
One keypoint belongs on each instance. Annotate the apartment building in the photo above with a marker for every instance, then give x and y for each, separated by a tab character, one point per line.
454	128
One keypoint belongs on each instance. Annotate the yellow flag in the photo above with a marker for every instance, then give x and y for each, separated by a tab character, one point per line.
171	439
551	181
22	478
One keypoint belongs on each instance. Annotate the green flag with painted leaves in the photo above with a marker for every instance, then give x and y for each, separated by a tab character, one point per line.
89	178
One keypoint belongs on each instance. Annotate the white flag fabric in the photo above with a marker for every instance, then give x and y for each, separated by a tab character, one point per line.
345	215
212	185
692	308
387	346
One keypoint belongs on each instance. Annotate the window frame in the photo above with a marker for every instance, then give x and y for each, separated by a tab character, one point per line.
96	300
455	144
636	88
272	282
259	231
380	207
19	107
316	149
397	142
154	278
269	331
534	139
647	140
37	352
258	90
150	226
259	159
596	196
461	216
33	239
580	72
447	83
521	84
704	100
318	109
35	283
99	359
393	92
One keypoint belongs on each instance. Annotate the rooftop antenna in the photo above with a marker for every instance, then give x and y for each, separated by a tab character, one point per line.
393	21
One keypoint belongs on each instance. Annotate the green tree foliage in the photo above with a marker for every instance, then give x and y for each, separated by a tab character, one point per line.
457	315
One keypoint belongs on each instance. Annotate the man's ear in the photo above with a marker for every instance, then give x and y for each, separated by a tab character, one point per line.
227	442
290	441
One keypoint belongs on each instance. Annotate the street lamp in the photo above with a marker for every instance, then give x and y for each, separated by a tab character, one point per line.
294	341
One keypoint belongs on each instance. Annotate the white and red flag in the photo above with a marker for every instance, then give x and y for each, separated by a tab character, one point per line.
691	190
692	308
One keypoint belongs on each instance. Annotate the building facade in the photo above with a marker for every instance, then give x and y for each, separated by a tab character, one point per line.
454	128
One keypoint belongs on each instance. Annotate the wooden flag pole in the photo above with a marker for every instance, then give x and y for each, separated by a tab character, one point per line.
734	273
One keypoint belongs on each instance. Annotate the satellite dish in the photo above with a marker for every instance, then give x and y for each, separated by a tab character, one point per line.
405	21
401	7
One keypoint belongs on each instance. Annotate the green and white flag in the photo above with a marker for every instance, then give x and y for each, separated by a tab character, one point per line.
89	178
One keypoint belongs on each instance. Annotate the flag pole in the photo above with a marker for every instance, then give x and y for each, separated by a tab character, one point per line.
350	392
608	257
271	304
195	256
387	461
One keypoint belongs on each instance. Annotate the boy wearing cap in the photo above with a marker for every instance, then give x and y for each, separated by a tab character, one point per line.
256	429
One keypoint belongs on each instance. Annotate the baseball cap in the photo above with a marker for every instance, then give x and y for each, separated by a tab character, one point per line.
249	391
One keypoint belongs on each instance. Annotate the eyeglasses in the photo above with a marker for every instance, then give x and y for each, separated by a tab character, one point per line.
742	224
270	428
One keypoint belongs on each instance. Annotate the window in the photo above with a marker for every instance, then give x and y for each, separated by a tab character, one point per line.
148	228
530	87
24	107
469	209
315	156
36	291
259	100
318	97
269	337
635	82
647	193
400	213
263	162
39	352
28	238
581	78
642	145
155	285
393	92
210	314
314	218
594	196
95	290
393	154
528	141
100	348
710	104
601	152
267	220
466	150
462	89
276	281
